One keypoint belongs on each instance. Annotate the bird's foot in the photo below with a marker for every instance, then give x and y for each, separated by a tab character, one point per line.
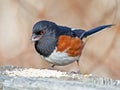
75	72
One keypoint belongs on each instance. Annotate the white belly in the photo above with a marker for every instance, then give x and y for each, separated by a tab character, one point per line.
60	58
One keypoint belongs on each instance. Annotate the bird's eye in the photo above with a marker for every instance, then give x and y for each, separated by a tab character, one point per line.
42	32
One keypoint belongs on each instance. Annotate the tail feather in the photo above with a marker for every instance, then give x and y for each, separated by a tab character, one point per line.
94	30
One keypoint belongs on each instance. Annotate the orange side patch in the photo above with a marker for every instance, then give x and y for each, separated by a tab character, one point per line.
72	45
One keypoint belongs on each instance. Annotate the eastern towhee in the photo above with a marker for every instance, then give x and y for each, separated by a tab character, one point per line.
60	45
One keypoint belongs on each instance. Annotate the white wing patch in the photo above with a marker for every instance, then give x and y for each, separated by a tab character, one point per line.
60	58
74	29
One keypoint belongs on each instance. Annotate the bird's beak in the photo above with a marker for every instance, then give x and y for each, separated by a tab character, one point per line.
35	37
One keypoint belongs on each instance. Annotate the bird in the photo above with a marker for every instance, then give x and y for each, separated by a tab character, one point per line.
60	45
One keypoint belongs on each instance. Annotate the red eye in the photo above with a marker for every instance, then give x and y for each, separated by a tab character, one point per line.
42	32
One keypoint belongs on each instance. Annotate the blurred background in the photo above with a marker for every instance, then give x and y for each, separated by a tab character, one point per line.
101	54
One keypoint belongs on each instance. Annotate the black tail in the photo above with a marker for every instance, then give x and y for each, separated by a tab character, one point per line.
94	30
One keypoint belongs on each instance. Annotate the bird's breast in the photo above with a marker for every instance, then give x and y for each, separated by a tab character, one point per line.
68	50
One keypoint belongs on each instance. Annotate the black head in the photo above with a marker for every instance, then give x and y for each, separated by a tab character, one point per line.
41	28
44	36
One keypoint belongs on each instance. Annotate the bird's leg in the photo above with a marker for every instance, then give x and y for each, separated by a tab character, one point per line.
78	72
77	62
53	66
